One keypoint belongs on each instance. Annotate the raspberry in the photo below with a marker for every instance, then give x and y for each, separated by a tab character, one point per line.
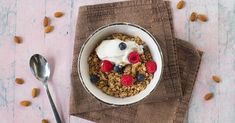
126	80
133	57
151	66
106	66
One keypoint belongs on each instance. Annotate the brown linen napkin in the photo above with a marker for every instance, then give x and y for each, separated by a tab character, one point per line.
158	22
170	111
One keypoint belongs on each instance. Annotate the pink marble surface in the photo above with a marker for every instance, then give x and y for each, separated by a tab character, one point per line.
24	17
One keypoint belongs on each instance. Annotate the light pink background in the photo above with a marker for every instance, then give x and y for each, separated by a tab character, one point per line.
24	17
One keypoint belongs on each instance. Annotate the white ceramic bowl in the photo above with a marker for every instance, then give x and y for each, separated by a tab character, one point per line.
98	36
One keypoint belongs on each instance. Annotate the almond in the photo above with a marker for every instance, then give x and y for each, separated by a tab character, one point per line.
58	14
45	121
19	81
48	29
216	78
208	96
46	21
193	16
35	92
202	17
17	39
180	4
25	103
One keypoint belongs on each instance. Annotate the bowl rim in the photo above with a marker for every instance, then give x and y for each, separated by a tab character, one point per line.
105	26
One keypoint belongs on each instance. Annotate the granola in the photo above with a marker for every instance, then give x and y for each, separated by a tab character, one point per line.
123	80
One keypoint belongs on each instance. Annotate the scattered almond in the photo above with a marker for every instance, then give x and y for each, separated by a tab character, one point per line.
48	29
202	17
45	121
193	16
19	81
208	96
216	78
35	92
46	21
17	39
180	4
25	103
58	14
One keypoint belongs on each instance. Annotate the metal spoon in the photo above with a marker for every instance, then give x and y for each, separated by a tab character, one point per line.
41	70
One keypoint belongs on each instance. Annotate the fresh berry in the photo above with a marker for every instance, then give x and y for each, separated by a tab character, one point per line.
122	46
140	77
106	66
94	78
134	57
118	69
126	80
151	66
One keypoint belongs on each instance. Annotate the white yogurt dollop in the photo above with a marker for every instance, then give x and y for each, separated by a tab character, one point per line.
109	50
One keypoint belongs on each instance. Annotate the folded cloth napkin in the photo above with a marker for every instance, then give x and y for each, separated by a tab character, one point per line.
169	102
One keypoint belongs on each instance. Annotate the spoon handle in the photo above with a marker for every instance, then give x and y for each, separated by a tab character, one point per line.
57	116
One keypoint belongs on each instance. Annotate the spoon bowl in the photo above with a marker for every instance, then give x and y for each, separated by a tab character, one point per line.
40	67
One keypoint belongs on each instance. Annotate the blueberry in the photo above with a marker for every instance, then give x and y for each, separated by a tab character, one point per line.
140	77
118	69
94	78
122	46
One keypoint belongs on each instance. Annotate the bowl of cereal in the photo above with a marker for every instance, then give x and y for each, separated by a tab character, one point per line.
120	64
